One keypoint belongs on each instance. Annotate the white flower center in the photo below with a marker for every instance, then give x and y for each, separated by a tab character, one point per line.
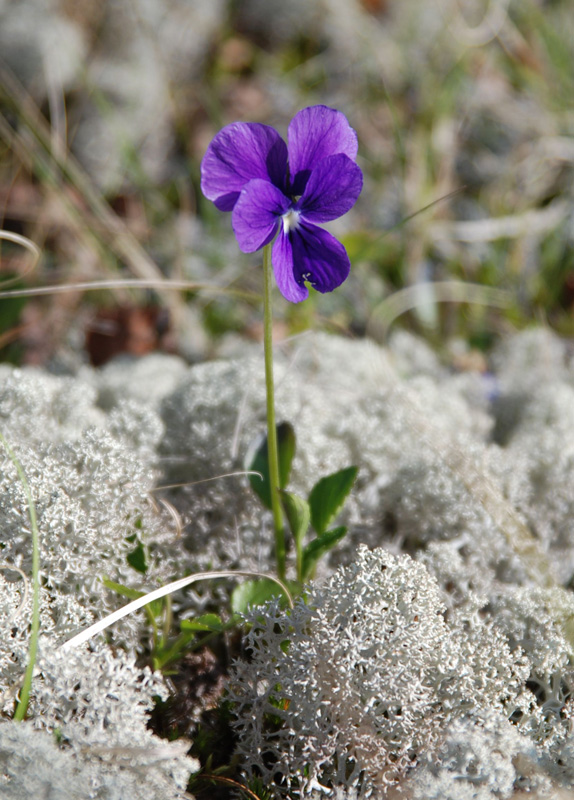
290	220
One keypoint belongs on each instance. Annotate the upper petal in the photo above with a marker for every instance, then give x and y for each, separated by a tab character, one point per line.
308	253
257	213
239	153
316	133
332	189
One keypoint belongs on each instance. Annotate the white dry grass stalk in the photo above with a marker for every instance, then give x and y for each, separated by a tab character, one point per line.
208	480
100	626
32	248
514	226
431	292
490	26
162	284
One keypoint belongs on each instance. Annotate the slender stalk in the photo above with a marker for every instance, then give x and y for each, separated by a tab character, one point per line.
22	706
272	452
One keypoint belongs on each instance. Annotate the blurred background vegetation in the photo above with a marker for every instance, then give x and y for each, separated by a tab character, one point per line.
465	119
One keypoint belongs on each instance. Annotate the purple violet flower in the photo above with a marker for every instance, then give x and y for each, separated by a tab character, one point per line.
271	187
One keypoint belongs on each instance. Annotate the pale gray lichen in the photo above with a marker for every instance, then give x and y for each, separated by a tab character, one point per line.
34	765
39	408
541	623
536	468
361	680
89	474
91	459
95	704
405	489
99	703
423	445
479	759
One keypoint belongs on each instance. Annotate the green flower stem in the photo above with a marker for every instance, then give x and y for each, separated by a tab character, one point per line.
22	706
271	426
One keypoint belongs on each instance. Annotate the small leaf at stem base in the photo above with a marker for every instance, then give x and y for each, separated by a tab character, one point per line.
328	495
298	516
252	593
257	460
317	548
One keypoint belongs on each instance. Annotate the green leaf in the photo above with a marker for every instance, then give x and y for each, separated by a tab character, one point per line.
318	547
298	516
154	608
124	591
252	593
207	622
257	460
136	559
328	495
163	655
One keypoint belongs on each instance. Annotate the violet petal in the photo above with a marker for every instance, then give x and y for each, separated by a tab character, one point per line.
282	260
239	153
308	253
319	258
257	214
332	189
314	134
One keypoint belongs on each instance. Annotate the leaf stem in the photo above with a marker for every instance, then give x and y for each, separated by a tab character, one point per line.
271	426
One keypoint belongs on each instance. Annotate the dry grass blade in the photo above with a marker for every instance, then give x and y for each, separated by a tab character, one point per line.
163	591
32	248
208	480
162	284
429	292
487	29
32	142
538	221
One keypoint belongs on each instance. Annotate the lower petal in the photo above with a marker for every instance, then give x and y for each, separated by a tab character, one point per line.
308	254
318	258
282	259
257	213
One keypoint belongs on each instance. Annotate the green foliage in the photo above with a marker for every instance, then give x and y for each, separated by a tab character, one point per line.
153	609
298	516
137	559
207	622
325	501
166	648
257	786
316	549
22	707
328	495
252	593
257	460
222	316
